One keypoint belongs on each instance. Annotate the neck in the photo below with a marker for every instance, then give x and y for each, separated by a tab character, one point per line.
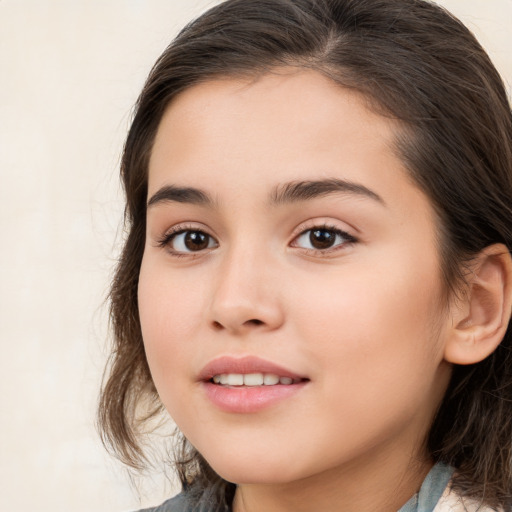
383	484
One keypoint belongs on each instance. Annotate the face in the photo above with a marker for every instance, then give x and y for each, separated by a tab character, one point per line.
290	293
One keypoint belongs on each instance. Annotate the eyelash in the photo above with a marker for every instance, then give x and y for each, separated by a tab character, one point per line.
348	239
166	240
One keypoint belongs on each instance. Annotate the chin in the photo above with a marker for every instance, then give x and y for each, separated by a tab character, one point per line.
262	471
248	476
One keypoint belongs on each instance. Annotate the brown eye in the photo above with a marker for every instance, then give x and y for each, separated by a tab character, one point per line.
196	240
191	241
322	239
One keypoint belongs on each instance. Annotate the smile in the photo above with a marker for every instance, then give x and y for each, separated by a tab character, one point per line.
252	379
248	384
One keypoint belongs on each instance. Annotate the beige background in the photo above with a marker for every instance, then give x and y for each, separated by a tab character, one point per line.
70	73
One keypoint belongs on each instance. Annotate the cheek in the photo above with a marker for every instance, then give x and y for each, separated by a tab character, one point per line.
375	349
376	321
170	313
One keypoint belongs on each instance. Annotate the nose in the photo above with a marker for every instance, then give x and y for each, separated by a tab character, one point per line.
246	295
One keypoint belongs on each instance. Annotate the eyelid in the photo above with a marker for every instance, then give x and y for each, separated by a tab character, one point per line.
165	239
327	226
324	223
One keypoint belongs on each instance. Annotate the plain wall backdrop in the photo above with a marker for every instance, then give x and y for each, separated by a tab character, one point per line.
70	71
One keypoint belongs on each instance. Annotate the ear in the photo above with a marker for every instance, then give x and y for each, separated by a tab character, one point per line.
480	318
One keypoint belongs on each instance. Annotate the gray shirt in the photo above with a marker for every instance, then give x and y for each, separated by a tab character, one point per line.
423	501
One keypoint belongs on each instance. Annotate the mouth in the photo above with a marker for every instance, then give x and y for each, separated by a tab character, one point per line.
248	384
248	371
253	379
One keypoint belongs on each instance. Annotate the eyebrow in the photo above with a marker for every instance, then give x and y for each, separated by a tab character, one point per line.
296	191
292	192
172	193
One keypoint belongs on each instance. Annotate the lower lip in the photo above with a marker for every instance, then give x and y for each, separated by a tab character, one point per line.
246	400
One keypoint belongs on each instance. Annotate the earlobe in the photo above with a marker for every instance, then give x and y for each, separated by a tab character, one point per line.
480	319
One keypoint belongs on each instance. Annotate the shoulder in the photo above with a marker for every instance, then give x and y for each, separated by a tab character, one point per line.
194	499
452	501
179	503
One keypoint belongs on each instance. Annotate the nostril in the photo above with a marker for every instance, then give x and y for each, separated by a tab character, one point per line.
254	321
237	321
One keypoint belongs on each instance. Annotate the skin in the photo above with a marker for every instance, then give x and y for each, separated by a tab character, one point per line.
364	321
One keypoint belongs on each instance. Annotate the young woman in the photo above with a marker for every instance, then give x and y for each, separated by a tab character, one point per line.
317	281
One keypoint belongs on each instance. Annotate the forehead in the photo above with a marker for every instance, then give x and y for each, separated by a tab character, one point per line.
288	125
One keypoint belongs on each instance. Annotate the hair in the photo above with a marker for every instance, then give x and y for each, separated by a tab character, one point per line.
413	61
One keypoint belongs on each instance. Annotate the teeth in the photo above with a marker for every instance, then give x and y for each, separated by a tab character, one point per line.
270	379
254	379
235	379
251	379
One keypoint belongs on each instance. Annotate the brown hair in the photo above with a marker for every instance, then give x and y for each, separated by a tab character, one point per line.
413	61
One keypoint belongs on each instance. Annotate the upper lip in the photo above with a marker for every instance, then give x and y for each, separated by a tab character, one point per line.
244	365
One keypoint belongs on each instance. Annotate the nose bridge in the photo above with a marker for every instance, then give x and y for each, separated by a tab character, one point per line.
245	295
